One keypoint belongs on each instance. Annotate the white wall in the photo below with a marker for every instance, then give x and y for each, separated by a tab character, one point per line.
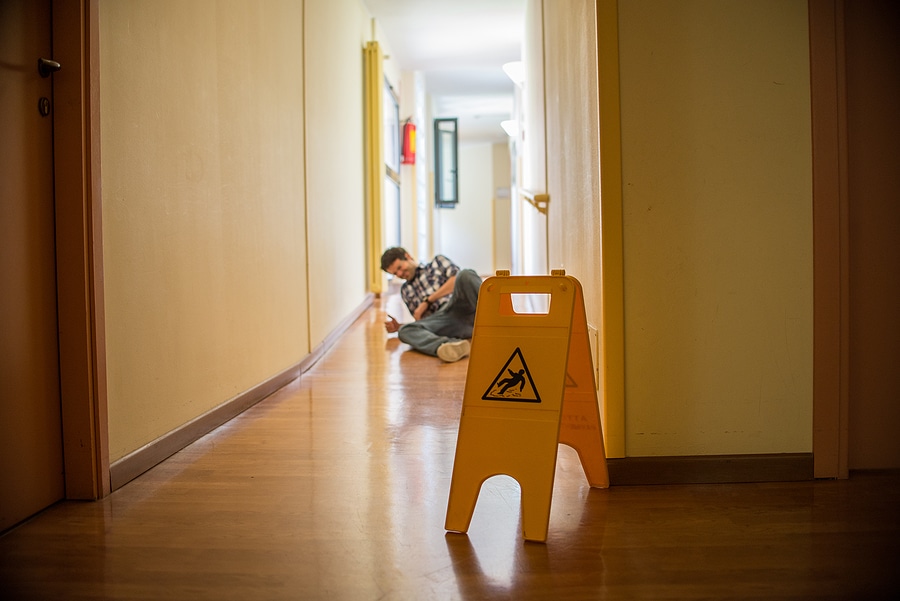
467	229
502	167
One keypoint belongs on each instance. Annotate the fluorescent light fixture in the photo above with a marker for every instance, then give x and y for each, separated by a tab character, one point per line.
510	127
516	72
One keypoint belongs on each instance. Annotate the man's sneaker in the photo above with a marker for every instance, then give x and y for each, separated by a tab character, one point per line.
454	351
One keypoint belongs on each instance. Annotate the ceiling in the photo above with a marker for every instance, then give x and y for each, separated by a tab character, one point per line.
460	46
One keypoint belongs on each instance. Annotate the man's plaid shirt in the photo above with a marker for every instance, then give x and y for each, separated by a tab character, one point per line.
428	278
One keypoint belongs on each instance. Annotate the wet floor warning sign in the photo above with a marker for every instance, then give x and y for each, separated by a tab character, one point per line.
529	386
513	382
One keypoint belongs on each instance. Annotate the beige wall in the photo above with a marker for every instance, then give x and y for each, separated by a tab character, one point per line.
335	33
716	196
210	125
215	280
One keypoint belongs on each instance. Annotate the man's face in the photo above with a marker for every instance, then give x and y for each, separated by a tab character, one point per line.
403	268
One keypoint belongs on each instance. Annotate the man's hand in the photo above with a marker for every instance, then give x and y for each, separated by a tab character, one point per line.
420	311
392	325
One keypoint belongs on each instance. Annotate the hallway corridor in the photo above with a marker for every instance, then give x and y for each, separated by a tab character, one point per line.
336	487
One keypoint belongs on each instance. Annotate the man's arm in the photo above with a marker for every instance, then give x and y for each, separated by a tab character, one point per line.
445	289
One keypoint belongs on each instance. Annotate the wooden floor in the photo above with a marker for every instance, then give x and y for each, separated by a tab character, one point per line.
336	488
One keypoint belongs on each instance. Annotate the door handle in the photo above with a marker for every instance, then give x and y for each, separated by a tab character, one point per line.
46	67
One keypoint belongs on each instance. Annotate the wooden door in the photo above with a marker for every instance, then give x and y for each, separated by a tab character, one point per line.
31	460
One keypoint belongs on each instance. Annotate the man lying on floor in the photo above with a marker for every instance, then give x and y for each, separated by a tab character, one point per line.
441	298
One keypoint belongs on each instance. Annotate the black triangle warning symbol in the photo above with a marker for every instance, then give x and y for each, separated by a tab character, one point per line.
513	382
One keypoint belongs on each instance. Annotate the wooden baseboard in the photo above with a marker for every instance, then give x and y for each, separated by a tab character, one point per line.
139	461
706	469
320	350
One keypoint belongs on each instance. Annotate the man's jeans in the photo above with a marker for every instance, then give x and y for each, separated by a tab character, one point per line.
454	321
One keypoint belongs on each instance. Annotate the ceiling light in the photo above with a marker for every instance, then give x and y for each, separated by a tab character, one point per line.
516	72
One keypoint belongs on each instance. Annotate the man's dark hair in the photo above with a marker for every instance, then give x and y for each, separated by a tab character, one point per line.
391	255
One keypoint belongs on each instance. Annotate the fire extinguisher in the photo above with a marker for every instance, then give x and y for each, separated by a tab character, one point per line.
409	143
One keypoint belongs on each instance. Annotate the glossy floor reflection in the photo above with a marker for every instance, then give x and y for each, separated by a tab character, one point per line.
336	487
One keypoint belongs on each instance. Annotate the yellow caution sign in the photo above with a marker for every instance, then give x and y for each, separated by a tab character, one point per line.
530	386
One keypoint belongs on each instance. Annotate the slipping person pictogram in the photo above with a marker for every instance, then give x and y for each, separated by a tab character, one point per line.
514	379
517	386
